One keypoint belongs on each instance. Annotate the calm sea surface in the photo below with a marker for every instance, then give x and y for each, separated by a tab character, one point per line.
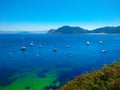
42	68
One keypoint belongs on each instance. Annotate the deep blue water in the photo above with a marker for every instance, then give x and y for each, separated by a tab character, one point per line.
79	57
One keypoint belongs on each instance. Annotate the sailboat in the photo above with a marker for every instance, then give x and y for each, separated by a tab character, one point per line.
103	51
67	46
31	43
88	43
100	42
40	46
23	48
55	49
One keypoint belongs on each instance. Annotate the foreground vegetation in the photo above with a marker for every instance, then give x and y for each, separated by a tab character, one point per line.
108	78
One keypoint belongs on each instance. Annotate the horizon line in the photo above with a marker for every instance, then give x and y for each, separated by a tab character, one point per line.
45	30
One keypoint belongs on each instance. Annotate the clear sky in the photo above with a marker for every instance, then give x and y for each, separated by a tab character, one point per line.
16	15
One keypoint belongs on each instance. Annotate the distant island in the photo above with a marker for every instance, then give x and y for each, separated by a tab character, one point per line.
78	30
69	30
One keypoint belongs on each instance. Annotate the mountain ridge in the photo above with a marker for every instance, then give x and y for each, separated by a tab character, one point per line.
79	30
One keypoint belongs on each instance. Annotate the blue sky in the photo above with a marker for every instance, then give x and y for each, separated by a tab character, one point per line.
16	15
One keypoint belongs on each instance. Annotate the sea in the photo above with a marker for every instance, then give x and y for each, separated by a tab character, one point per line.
39	67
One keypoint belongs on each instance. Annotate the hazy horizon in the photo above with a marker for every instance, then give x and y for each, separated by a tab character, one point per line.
38	29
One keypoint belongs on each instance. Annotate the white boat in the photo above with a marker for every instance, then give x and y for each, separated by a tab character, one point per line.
31	43
55	49
40	46
23	48
88	43
67	46
103	51
100	42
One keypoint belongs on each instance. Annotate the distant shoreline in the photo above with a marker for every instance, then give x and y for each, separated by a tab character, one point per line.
78	30
60	34
70	30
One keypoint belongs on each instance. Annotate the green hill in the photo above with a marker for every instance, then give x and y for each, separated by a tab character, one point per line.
107	30
108	78
78	30
68	30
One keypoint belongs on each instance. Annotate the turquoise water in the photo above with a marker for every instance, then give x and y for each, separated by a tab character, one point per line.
42	68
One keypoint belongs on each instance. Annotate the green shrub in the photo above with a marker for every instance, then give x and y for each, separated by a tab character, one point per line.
108	78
